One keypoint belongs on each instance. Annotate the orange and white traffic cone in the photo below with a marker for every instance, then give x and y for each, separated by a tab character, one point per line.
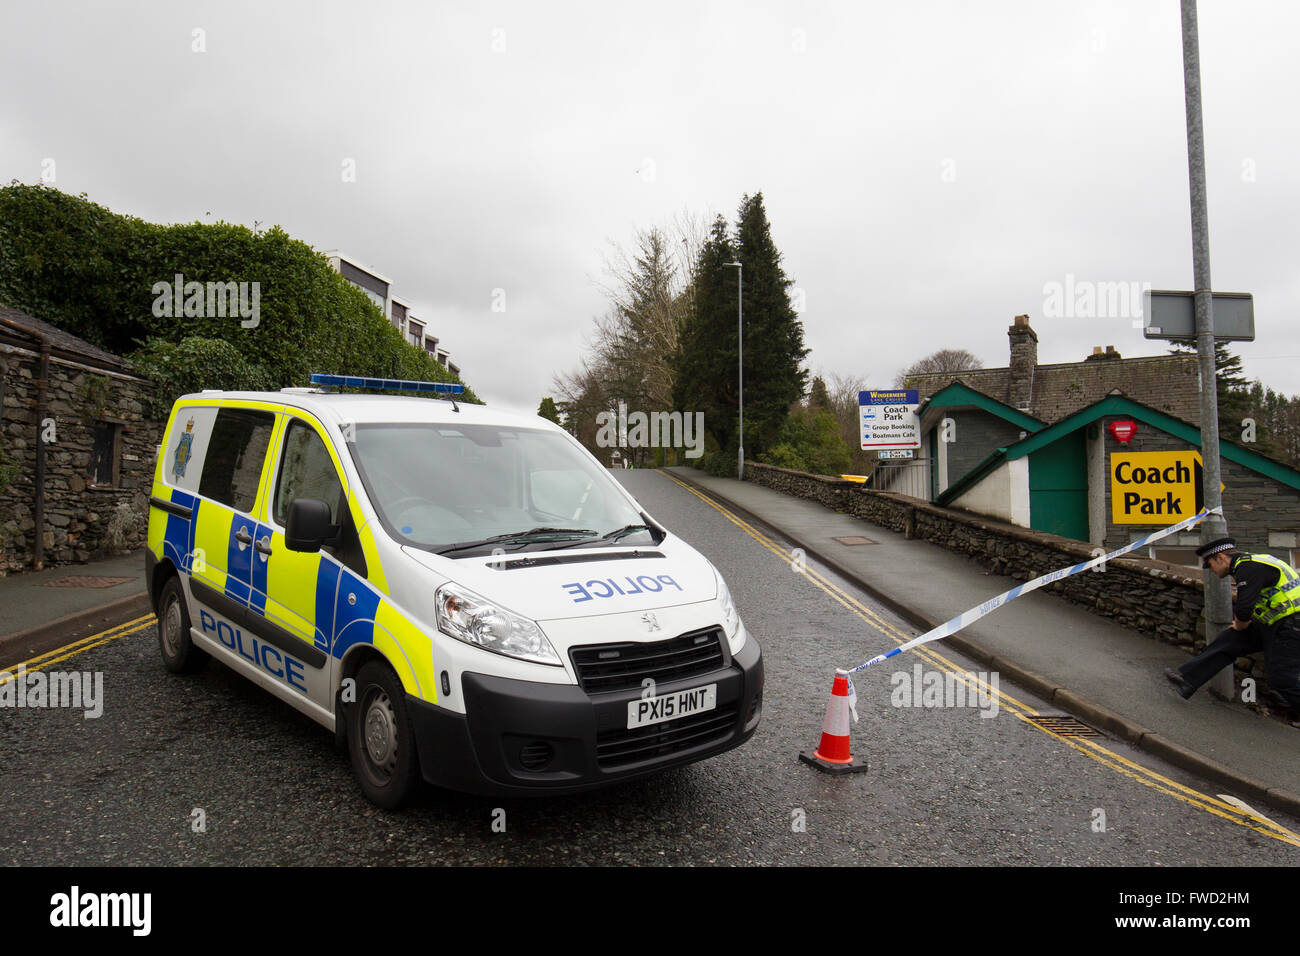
832	755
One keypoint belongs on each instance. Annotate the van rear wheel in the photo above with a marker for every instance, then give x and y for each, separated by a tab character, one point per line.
381	742
179	654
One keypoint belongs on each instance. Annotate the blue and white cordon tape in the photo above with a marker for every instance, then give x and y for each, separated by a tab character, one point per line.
967	618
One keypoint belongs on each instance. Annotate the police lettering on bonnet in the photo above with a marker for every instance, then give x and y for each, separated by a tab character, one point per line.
1266	616
462	595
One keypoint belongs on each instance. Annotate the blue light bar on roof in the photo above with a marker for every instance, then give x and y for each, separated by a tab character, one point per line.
385	384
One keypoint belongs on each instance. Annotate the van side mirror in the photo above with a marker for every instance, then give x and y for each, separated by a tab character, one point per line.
308	527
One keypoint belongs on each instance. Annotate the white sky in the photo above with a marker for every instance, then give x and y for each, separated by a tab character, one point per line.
928	167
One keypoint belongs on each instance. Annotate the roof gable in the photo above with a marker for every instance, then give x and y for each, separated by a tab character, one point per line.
959	393
1122	405
1168	383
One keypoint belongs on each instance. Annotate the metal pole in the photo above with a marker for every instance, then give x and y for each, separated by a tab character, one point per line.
1218	601
740	328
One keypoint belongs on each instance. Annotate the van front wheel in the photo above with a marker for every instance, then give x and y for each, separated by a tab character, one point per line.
380	739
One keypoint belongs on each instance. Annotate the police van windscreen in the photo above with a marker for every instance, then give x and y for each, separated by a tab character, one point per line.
435	485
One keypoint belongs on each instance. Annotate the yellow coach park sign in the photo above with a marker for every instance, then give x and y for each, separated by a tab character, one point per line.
1154	487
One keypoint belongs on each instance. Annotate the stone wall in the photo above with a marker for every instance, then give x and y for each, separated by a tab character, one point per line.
83	520
1159	600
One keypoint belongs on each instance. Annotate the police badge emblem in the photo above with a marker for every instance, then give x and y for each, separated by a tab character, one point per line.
183	450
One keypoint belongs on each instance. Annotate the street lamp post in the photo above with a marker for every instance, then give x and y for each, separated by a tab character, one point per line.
740	329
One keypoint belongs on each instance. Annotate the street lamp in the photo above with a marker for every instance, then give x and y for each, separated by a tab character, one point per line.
740	328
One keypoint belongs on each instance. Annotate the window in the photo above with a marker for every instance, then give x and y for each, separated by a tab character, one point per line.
104	455
236	451
435	484
306	471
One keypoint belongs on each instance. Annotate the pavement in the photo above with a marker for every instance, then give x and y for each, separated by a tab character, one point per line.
42	610
1105	674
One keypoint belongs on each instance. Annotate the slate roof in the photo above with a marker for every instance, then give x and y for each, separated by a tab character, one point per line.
1167	383
64	344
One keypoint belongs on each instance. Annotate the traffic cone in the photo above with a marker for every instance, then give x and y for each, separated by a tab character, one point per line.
832	755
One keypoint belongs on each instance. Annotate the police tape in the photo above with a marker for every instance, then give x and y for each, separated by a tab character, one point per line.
966	618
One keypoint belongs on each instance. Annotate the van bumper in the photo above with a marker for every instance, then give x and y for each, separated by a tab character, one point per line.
521	738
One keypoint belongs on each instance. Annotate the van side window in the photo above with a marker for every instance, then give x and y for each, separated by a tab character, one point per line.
306	471
236	452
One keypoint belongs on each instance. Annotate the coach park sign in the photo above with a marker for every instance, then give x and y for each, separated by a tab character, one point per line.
889	420
1155	487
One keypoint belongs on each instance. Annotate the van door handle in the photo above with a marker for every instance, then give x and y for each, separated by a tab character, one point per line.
264	546
243	537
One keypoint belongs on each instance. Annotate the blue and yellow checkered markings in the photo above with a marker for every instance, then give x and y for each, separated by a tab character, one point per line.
258	573
372	620
368	548
408	649
354	619
239	560
327	586
169	535
178	538
211	536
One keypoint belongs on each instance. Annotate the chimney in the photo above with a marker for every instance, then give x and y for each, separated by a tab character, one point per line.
1024	359
1099	356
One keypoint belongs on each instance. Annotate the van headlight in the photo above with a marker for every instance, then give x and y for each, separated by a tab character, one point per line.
730	616
466	616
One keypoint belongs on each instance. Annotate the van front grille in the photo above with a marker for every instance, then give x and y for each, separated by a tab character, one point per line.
603	668
615	748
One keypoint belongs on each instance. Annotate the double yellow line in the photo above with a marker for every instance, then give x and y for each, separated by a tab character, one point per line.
1084	745
41	661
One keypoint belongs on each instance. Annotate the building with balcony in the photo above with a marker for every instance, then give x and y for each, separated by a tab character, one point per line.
396	310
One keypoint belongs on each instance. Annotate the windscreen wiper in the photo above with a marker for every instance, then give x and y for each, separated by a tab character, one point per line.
628	529
534	534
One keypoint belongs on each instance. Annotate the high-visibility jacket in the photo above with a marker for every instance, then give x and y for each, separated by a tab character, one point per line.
1281	600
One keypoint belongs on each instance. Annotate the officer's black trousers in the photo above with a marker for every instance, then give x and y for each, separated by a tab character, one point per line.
1281	647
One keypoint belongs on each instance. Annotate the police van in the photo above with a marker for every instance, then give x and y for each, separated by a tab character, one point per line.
461	595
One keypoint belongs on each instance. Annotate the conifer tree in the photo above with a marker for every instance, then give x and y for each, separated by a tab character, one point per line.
548	410
707	361
774	349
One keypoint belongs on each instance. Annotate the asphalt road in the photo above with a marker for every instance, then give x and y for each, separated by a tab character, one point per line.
947	786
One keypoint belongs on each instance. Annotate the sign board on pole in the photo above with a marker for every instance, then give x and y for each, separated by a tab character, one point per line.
1155	487
1172	316
889	418
894	453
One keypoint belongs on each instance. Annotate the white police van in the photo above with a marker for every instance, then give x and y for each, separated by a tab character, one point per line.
462	595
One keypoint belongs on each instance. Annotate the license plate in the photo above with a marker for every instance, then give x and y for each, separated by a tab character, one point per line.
682	703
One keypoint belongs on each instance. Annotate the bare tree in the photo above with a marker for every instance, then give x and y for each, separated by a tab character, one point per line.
944	360
629	354
844	391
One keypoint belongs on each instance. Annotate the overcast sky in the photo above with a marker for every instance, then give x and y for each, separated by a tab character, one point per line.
929	169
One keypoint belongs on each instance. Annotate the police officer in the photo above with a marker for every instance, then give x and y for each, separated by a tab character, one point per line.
1266	616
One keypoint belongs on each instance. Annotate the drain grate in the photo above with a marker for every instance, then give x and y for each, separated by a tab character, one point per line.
853	539
86	581
1064	725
